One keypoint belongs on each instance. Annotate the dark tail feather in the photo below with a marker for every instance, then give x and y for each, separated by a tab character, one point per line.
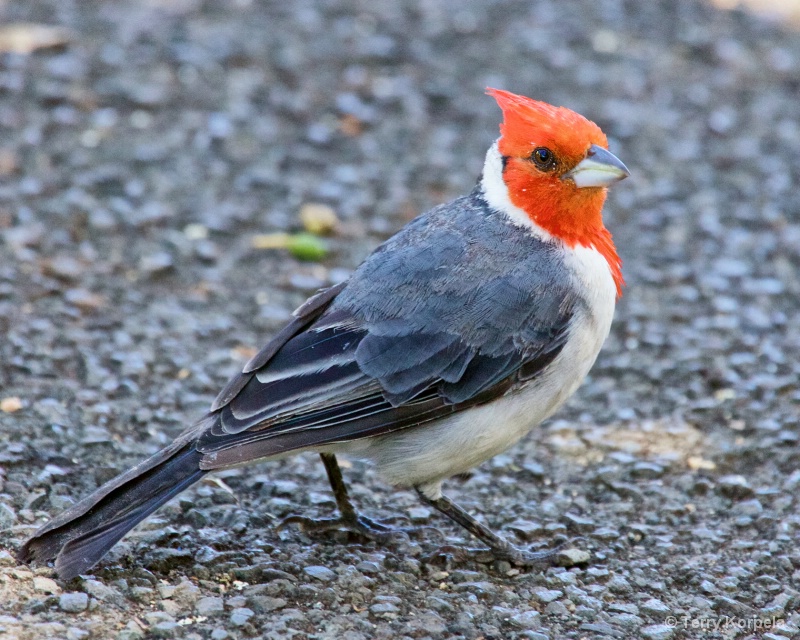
78	538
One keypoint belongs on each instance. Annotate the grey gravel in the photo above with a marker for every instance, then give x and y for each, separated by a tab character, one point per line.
209	606
164	629
7	516
47	585
383	608
619	584
141	150
132	631
735	486
526	529
73	602
570	557
368	568
323	574
103	592
658	632
546	595
556	609
265	604
240	616
527	620
655	607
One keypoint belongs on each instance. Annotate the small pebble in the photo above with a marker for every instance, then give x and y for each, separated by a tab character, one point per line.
658	632
619	584
265	604
11	404
46	585
647	470
556	608
605	533
598	572
103	592
418	515
735	487
319	219
571	557
655	607
323	574
209	606
8	516
578	523
164	629
546	595
240	616
368	568
156	263
235	602
526	529
132	631
526	620
73	602
65	268
384	608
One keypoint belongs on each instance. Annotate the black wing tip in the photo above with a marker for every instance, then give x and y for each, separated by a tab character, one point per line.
27	553
35	551
46	548
68	565
65	565
41	548
69	573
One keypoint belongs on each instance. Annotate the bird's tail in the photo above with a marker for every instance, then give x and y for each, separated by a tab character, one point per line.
79	537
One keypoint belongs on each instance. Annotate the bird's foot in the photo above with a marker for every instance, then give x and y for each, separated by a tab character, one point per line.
507	552
525	558
356	524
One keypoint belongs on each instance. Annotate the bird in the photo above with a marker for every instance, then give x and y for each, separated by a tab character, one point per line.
449	343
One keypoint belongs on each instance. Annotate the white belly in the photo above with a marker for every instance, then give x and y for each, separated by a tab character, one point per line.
424	456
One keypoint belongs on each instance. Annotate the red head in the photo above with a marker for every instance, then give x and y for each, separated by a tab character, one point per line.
556	170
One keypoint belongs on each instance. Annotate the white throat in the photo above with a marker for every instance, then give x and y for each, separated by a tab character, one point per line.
495	192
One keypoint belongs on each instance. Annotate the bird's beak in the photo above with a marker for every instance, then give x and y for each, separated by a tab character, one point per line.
600	168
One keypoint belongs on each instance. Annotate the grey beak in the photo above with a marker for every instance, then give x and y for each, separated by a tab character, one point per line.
600	168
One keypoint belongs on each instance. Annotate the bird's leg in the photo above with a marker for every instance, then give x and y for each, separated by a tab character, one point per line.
499	547
349	519
349	515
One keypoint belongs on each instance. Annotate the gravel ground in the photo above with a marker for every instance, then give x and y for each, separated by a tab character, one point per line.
143	144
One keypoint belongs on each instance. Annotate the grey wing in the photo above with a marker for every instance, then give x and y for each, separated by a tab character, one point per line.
337	383
414	336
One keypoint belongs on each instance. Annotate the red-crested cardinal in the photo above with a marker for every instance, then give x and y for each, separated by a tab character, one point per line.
450	342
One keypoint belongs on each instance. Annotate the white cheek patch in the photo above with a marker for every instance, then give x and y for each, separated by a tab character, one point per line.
495	192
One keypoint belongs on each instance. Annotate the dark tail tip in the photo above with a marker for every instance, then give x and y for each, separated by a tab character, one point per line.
78	538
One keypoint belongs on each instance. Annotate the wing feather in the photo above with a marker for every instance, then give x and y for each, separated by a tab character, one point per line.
414	336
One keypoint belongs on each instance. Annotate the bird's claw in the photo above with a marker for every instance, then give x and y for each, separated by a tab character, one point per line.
514	555
359	525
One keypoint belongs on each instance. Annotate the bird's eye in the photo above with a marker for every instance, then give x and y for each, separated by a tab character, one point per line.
543	158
